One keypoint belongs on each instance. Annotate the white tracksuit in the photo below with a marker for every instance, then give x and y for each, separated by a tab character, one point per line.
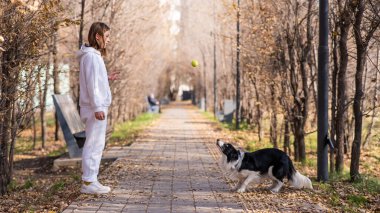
95	96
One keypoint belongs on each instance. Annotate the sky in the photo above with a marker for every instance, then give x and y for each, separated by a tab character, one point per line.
174	15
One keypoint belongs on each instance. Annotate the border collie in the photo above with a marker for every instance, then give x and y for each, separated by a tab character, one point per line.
262	164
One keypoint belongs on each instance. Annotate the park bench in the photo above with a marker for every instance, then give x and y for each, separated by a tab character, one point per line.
227	114
72	127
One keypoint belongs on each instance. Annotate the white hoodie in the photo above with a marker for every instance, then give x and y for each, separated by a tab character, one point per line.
95	91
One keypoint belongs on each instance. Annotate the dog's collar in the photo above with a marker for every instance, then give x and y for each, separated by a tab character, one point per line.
240	159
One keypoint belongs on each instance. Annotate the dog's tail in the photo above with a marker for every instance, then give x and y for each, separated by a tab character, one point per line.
296	179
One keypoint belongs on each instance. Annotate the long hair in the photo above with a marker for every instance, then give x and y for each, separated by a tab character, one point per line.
97	28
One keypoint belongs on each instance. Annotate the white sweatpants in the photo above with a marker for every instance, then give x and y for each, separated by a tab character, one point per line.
94	145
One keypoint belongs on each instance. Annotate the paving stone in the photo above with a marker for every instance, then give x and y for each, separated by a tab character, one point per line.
84	211
134	208
170	168
183	209
156	208
109	210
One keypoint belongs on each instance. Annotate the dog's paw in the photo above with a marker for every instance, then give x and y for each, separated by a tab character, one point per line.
235	188
274	191
271	187
240	190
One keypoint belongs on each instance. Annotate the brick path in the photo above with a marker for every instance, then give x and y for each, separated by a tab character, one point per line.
170	168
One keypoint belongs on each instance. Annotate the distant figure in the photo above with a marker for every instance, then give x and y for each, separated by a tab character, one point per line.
154	104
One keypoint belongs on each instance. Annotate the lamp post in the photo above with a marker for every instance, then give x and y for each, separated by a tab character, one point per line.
205	84
323	65
204	81
238	66
215	95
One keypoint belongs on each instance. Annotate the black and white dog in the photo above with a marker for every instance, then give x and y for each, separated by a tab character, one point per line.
262	164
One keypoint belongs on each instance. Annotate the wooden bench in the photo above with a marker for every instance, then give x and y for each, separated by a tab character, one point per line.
227	114
71	125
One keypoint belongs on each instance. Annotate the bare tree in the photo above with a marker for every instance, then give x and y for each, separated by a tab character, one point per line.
43	95
273	119
363	33
56	78
23	47
344	23
299	51
374	100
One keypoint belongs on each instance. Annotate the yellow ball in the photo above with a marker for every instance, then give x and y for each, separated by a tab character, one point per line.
194	63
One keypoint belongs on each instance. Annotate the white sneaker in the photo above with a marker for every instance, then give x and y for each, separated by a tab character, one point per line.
95	188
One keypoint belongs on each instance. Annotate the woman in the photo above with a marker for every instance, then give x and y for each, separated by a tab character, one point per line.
95	98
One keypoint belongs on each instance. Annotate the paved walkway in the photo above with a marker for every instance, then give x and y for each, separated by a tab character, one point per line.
171	168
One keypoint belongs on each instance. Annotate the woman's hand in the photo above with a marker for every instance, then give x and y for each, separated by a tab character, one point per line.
100	115
113	76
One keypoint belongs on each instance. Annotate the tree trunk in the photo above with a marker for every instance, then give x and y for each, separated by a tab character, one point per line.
361	53
374	99
313	75
74	73
5	137
15	98
34	129
273	120
40	94
285	106
299	139
273	130
301	146
56	81
293	90
295	111
8	93
15	123
341	97
250	115
258	111
281	133
301	98
348	132
356	144
287	137
81	25
334	96
43	102
306	59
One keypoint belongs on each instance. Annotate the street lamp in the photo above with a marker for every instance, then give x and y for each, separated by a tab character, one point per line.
214	35
323	69
238	66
